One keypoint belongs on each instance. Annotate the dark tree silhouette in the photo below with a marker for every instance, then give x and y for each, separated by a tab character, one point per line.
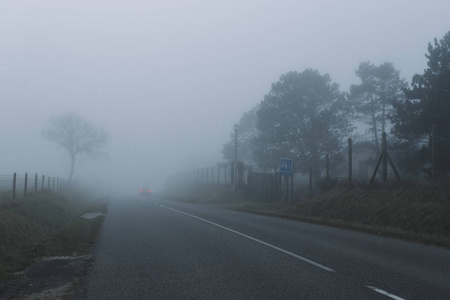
247	132
372	98
77	136
428	103
304	117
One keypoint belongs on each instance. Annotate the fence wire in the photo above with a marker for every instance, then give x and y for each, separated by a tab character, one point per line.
12	186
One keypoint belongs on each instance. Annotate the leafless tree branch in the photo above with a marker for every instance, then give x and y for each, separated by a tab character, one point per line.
77	136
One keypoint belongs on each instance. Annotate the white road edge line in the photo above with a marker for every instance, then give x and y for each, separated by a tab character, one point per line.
384	293
258	241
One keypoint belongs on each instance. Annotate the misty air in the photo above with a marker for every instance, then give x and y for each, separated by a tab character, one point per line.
224	150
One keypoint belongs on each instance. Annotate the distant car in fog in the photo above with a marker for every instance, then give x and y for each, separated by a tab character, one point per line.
145	192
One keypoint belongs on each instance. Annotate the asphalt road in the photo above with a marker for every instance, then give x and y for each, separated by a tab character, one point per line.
159	249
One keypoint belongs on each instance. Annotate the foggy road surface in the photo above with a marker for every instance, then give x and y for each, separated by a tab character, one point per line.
159	249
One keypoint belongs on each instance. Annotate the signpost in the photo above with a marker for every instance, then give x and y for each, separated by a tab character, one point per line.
285	166
286	170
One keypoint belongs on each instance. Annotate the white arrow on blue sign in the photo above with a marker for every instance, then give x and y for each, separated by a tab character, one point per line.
285	166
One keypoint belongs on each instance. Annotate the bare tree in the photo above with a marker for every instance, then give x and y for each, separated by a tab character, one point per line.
77	136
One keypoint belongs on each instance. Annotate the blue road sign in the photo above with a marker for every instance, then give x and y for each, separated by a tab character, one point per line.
285	166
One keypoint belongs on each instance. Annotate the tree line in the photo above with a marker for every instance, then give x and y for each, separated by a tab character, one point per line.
305	116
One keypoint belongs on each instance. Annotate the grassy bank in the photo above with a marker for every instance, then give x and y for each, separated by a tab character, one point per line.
417	212
46	224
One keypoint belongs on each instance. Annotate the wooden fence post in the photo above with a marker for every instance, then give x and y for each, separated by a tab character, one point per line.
383	160
384	157
225	174
26	184
14	186
43	180
35	182
218	174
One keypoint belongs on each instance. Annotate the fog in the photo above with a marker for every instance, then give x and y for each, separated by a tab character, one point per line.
168	80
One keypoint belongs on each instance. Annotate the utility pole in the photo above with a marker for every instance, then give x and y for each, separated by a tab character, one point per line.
235	156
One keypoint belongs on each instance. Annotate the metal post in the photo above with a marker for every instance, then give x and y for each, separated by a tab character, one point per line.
327	166
433	152
286	190
384	157
235	156
292	188
350	161
280	188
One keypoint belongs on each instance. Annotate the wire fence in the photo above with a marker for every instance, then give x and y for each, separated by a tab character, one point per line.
16	185
362	165
221	174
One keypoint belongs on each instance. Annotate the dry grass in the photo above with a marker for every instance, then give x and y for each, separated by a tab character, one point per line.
413	211
45	224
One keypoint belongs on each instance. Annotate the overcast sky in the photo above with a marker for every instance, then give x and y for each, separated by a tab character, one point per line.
168	79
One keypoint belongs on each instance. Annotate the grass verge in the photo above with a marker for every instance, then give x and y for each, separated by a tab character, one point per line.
418	212
46	224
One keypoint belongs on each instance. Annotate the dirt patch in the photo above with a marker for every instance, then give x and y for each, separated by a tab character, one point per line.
89	216
50	278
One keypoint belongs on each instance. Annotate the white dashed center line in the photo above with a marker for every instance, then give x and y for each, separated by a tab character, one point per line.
304	259
258	241
384	293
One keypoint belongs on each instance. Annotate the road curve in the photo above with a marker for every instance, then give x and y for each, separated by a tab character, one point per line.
159	249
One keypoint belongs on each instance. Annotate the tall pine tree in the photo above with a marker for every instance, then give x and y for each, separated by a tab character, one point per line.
428	103
372	98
